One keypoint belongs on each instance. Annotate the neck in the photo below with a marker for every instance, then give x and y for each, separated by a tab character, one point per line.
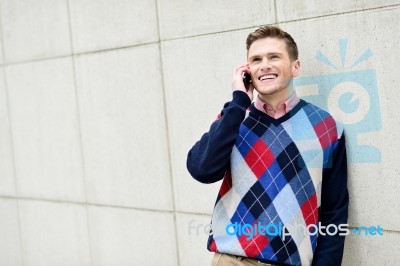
276	98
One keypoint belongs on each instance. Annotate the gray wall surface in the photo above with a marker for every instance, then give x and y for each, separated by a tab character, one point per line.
101	100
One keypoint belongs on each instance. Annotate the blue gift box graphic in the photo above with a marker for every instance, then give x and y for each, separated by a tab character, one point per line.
352	98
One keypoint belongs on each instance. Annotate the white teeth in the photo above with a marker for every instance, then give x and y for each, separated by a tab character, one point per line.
269	76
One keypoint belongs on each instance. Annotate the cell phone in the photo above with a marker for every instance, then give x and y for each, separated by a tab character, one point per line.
246	79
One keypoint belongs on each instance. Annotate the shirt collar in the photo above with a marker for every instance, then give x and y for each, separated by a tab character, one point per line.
282	109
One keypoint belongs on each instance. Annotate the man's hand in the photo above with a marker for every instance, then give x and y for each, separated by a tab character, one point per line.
237	80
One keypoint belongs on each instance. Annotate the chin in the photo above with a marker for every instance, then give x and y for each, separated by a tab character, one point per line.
268	91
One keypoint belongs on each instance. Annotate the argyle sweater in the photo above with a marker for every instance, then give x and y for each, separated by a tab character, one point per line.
279	175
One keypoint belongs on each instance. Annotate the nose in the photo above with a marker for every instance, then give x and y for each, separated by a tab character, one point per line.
265	64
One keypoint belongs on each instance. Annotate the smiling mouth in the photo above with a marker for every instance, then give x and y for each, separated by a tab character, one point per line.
267	77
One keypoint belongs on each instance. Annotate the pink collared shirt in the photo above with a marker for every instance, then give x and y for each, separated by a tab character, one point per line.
282	109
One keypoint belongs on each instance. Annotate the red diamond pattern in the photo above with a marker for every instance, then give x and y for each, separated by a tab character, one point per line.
259	158
326	131
254	245
310	210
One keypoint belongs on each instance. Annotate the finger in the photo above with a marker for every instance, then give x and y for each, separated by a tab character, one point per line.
240	68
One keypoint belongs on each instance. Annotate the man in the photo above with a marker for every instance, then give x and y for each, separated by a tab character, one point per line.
283	165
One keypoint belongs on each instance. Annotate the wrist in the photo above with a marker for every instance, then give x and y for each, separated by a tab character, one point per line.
241	98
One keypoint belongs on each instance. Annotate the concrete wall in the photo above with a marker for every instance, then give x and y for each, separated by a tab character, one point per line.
101	100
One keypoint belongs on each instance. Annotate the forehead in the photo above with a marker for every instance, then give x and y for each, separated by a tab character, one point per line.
267	45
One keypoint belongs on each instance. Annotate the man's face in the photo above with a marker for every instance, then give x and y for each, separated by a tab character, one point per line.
270	66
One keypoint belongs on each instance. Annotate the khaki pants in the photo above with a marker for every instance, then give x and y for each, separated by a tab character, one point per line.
232	260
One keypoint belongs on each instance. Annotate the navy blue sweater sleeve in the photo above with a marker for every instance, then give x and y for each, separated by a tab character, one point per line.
208	159
334	208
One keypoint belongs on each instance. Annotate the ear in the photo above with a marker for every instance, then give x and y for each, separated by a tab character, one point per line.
296	68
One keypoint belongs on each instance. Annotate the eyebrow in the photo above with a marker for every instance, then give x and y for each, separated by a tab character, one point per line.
268	54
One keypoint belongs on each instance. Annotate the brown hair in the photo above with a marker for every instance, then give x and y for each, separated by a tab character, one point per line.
274	32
